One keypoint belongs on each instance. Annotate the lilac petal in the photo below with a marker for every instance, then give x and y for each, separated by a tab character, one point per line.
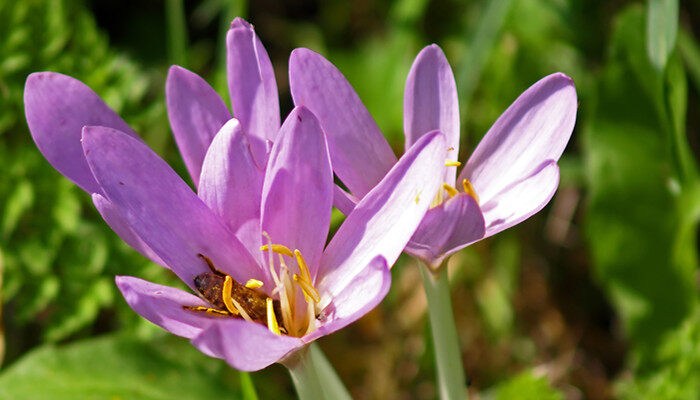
161	209
252	86
246	346
522	199
196	112
356	299
447	228
57	107
535	128
298	188
361	155
162	305
430	103
231	184
121	227
343	201
384	220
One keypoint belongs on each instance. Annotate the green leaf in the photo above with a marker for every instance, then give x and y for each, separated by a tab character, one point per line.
117	367
662	27
526	386
19	201
638	224
690	51
480	45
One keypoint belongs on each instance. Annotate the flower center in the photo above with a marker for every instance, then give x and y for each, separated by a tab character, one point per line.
292	314
297	295
450	190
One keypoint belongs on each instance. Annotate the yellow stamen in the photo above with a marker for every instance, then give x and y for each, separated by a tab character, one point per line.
452	163
450	190
307	288
271	318
253	284
450	149
303	269
278	248
226	295
469	189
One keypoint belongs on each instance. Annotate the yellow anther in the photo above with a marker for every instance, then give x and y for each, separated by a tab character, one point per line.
253	284
452	163
450	190
303	268
450	149
272	324
279	249
469	189
307	288
226	295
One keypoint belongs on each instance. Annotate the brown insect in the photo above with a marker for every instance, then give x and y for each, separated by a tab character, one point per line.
235	301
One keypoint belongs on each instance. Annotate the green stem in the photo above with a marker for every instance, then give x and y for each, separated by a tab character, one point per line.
448	356
247	386
177	32
314	376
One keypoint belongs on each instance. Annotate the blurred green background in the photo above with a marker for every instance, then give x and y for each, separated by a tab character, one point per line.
595	297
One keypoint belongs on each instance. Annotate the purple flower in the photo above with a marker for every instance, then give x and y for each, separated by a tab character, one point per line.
58	106
252	240
511	175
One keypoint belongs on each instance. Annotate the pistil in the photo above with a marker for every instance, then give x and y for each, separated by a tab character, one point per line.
298	320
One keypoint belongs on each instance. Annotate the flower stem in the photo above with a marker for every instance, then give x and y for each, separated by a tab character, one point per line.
448	357
314	376
247	386
177	32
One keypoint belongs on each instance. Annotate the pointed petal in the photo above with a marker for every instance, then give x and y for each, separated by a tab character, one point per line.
447	228
535	128
385	219
298	188
252	85
343	201
360	153
121	227
356	299
57	107
246	346
430	103
231	184
160	207
162	305
522	199
196	112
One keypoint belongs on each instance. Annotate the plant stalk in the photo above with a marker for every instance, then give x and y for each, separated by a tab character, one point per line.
314	377
448	356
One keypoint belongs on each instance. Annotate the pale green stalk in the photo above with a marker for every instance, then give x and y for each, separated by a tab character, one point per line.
448	356
314	377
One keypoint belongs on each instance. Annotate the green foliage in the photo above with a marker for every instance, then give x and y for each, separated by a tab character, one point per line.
118	367
59	258
662	27
526	386
678	358
642	215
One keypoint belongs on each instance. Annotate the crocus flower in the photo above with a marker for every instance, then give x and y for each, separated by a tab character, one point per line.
251	241
58	106
310	291
511	175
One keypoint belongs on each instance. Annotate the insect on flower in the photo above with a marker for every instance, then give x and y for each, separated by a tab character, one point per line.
232	299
